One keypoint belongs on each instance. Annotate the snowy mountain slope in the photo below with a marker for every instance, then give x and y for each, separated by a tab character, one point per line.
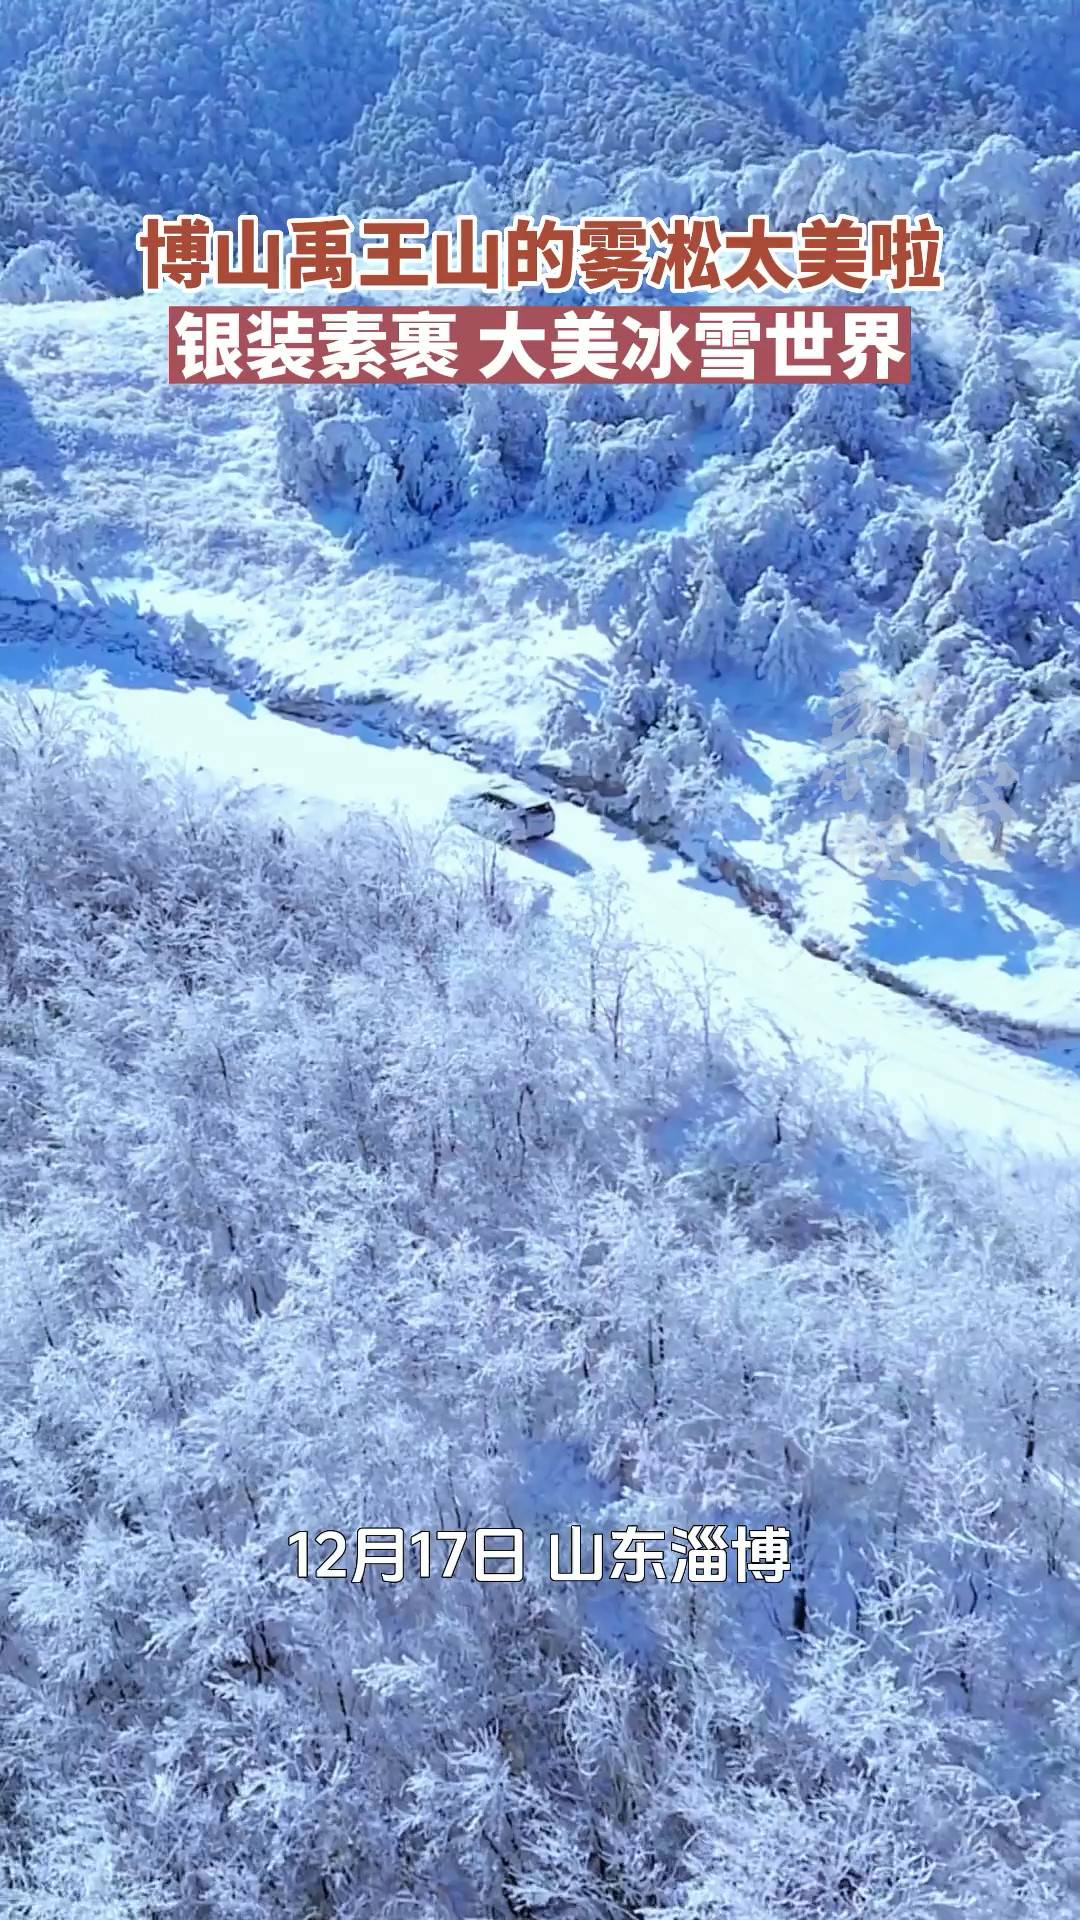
106	474
937	1082
331	1201
647	555
104	112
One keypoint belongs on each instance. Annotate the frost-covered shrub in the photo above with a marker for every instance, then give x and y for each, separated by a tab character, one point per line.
931	389
1022	588
807	523
392	454
997	185
1057	415
651	745
1054	763
874	184
787	645
991	384
590	475
772	540
413	461
888	552
710	623
41	272
1057	842
88	228
1016	482
799	652
756	416
759	612
676	774
852	419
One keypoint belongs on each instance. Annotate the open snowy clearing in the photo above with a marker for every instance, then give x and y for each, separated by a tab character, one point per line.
933	1078
106	473
983	932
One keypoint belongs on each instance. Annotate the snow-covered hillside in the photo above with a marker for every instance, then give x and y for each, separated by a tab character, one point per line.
106	110
799	1019
832	634
176	505
343	1189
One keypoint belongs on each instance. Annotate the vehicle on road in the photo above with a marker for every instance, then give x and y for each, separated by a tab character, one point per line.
504	810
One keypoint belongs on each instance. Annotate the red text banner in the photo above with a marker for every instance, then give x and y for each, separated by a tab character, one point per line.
480	345
689	253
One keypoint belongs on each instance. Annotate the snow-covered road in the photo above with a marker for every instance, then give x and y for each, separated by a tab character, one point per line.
931	1075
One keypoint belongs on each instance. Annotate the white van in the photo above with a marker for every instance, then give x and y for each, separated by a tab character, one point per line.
505	810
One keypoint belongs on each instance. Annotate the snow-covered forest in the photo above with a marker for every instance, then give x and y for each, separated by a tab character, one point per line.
355	1174
112	107
343	1189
